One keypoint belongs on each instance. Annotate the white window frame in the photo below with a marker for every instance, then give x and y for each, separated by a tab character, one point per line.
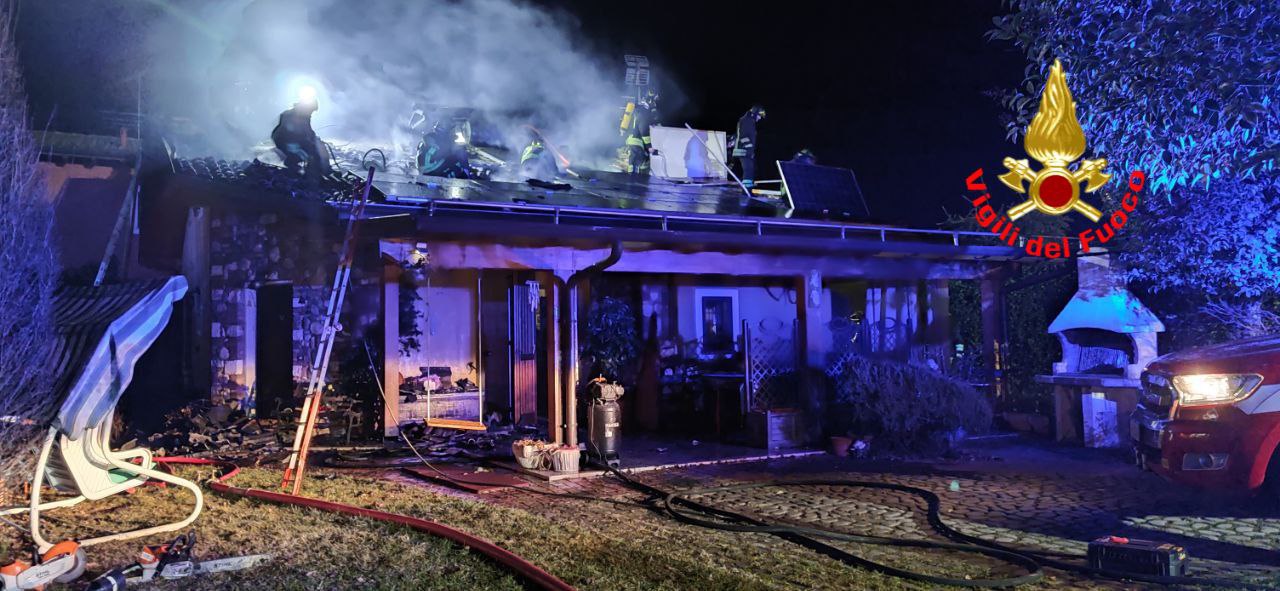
700	294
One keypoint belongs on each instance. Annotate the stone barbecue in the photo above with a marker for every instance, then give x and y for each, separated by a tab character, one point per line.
1108	337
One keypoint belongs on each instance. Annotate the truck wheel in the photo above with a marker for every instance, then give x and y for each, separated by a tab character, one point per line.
1271	486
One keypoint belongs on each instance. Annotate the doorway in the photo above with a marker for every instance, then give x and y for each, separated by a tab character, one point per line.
274	355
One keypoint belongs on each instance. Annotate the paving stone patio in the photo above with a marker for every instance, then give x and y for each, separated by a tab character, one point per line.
1022	493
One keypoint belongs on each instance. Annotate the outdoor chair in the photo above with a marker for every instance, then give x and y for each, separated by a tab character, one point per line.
102	332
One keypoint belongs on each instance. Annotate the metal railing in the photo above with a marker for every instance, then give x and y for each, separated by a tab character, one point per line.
558	214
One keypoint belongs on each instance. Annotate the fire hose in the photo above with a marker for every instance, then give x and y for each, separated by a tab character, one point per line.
541	578
684	509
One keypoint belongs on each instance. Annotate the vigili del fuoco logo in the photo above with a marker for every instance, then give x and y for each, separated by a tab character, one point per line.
1055	140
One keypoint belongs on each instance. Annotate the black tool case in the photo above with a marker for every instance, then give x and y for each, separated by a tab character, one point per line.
1127	555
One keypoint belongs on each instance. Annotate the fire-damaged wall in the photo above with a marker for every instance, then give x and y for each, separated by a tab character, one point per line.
257	259
247	251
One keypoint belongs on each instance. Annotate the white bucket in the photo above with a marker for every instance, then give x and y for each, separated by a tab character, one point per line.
565	460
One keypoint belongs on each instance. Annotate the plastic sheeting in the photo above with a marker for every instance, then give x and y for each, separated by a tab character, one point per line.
102	333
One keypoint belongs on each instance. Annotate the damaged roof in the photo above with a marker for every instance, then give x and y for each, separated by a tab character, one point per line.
591	189
591	202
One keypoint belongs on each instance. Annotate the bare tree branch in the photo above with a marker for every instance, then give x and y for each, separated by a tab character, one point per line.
28	274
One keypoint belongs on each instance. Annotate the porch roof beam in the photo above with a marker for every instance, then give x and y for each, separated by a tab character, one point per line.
408	226
640	258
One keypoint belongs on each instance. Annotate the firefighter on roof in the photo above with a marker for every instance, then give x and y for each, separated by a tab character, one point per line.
805	156
296	140
744	145
639	142
443	152
537	162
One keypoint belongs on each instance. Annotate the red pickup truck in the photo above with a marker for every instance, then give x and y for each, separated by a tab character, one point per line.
1210	416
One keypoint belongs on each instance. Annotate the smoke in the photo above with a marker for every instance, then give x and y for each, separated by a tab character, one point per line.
239	63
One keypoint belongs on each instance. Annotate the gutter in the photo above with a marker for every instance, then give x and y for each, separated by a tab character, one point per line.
569	323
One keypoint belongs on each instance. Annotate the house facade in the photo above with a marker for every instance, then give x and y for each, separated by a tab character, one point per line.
475	300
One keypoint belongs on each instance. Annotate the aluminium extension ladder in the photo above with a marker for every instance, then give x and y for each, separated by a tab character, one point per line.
320	364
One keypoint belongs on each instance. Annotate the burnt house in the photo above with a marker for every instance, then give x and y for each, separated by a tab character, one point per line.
481	300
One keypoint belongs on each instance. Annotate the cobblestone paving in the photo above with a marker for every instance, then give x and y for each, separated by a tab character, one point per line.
1021	494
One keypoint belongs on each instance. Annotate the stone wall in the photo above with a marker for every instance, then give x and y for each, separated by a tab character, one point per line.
246	251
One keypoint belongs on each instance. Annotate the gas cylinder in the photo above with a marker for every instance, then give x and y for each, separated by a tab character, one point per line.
604	422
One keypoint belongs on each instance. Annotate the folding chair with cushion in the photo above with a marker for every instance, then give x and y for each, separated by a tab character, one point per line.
102	333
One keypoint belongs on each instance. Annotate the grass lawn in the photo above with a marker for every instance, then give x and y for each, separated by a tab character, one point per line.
588	544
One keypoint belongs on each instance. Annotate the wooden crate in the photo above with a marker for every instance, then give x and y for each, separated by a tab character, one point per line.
776	429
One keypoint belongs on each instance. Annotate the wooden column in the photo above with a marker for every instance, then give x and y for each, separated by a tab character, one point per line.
580	303
657	309
551	322
813	312
990	289
391	350
935	324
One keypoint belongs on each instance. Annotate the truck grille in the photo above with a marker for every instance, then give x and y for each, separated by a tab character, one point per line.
1157	395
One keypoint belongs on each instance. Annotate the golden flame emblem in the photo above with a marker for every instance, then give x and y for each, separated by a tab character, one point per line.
1055	139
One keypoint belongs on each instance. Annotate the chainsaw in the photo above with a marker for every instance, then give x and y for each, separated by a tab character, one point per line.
170	561
62	563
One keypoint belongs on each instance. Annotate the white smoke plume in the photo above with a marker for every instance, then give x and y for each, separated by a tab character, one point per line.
240	62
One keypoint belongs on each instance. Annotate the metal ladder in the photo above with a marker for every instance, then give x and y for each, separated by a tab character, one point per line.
293	471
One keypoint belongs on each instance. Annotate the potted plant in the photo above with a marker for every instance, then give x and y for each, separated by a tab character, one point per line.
565	458
530	453
840	445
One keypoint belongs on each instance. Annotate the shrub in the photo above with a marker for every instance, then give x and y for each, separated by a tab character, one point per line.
28	271
904	407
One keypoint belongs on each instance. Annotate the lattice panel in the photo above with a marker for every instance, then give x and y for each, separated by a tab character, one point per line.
773	372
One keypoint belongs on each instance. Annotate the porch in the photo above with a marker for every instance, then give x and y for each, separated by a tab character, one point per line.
753	309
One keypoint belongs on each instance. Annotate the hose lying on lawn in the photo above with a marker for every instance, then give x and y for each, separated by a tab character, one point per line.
541	578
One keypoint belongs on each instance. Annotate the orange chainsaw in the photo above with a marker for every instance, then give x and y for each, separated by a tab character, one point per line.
62	563
170	561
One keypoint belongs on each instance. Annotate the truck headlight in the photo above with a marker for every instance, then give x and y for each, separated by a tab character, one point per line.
1214	388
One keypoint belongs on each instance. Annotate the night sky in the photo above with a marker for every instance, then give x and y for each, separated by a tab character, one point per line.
892	90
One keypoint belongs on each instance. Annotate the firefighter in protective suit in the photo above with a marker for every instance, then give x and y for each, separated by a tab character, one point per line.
441	154
639	142
298	143
537	162
744	145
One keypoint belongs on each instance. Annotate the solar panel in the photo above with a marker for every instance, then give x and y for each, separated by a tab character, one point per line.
822	191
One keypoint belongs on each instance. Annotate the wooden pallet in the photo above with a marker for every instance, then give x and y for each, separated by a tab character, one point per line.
457	424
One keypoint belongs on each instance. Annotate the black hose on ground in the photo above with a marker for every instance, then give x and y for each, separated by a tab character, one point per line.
676	504
684	509
1031	561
